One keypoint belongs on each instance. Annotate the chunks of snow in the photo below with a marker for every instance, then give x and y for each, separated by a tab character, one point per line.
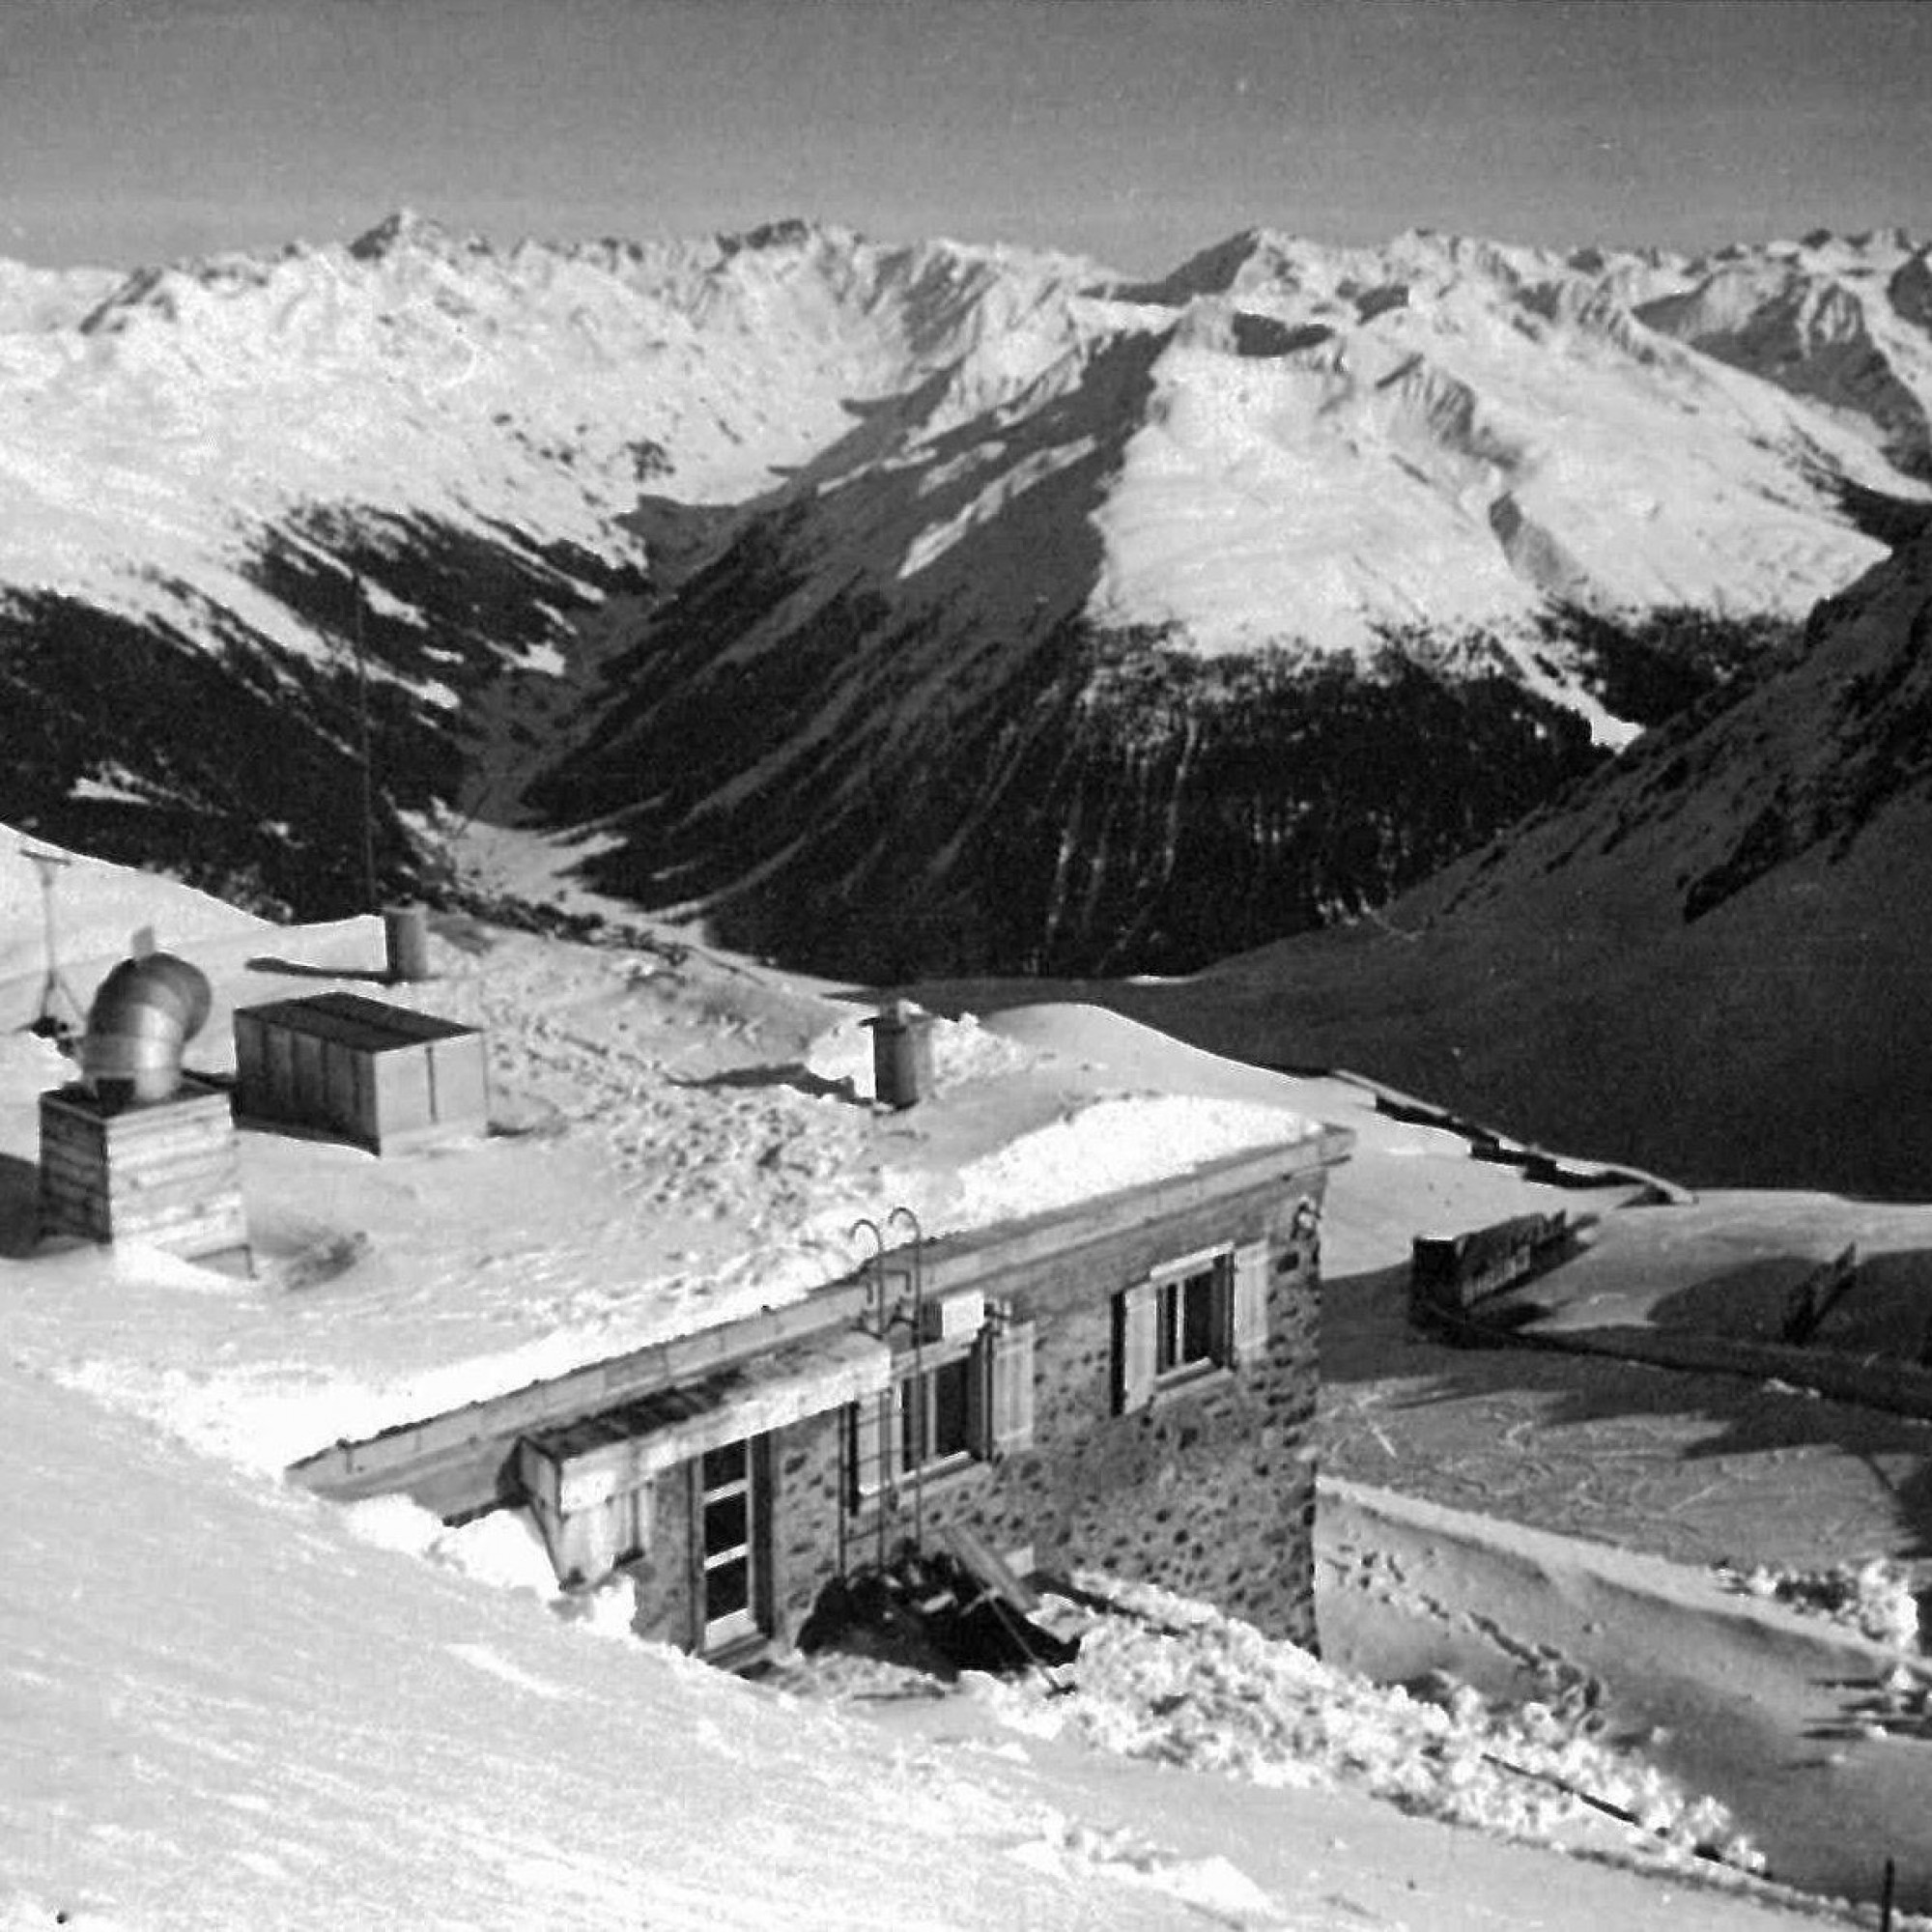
1164	1677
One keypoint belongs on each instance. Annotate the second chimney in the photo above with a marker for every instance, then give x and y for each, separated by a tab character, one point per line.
901	1054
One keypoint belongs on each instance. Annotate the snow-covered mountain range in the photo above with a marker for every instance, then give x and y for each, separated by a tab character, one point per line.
915	607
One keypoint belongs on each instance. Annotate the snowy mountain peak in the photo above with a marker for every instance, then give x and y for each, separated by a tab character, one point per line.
1910	289
791	232
885	481
409	231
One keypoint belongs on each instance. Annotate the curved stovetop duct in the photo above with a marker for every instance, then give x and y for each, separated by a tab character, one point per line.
143	1016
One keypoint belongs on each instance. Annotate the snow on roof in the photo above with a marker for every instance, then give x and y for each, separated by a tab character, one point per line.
675	1147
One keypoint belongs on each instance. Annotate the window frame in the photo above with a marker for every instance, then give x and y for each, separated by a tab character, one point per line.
1213	1270
915	1403
1191	1330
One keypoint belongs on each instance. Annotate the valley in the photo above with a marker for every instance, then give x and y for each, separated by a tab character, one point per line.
977	610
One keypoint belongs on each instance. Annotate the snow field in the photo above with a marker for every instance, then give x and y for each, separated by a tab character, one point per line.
229	1705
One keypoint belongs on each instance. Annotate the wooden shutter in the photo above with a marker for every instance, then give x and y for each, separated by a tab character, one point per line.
1010	1389
636	1512
1134	1317
870	1446
1248	1323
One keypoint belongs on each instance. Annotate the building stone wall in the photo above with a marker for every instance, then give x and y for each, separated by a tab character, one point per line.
1209	1490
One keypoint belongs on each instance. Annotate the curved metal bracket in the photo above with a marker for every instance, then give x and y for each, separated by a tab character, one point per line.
875	1318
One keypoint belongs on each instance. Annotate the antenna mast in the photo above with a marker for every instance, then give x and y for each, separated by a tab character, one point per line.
368	764
55	988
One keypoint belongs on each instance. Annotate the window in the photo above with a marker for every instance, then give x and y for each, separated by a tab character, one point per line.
964	1400
934	1414
1190	1316
1187	1325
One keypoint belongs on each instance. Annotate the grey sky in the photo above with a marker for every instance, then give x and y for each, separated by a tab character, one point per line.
1136	130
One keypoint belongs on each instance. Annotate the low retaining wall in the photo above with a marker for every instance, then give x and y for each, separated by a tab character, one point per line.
1873	1381
1449	1274
1537	1163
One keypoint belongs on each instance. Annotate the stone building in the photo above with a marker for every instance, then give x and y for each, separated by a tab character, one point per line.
1127	1383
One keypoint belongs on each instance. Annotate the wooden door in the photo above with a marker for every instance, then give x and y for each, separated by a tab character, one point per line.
731	1535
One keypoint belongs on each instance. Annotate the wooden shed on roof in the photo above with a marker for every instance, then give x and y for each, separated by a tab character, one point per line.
381	1075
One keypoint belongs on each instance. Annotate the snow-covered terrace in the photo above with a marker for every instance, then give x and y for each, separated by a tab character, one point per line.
677	1145
227	1708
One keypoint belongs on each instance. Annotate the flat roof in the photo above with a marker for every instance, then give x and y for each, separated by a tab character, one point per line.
352	1019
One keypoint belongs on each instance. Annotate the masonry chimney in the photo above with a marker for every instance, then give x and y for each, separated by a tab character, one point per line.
901	1054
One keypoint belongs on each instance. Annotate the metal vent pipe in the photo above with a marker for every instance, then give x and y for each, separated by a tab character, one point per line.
143	1016
901	1054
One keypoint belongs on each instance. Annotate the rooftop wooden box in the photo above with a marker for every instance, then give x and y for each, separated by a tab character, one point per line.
163	1171
364	1070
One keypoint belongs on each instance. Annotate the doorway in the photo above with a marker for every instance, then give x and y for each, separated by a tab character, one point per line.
731	1527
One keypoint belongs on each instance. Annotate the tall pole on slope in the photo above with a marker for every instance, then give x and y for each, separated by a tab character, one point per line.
48	1021
368	763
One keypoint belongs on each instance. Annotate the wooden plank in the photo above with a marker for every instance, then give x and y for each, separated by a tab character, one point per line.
1248	1313
339	1064
163	1169
70	1167
156	1121
185	1184
386	1461
460	1081
160	1155
186	1190
987	1568
80	1172
179	1218
311	1094
1010	1389
86	1218
205	1148
403	1102
278	1091
1135	1317
61	1188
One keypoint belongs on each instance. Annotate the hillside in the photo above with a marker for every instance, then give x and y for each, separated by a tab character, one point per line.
897	607
1708	958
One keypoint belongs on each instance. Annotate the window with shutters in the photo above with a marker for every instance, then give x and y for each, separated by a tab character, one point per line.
1188	1318
965	1401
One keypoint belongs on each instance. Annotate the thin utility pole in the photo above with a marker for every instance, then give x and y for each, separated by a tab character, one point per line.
368	762
48	1021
